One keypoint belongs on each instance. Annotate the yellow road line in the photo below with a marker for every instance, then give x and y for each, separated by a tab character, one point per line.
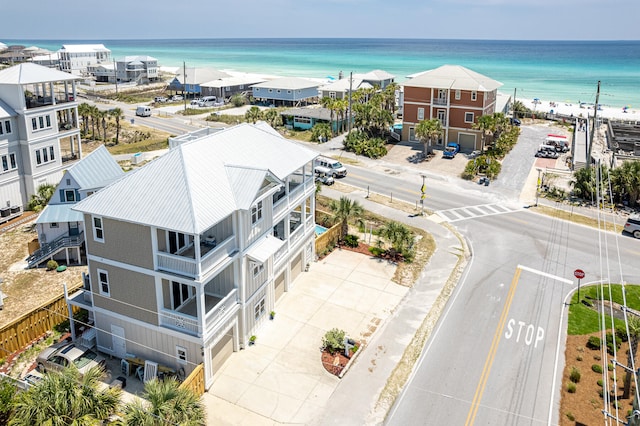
497	336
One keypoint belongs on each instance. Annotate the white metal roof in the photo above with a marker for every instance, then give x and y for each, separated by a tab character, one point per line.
377	75
264	247
200	75
454	77
6	110
234	81
96	170
141	58
201	182
59	213
343	85
288	83
29	73
80	48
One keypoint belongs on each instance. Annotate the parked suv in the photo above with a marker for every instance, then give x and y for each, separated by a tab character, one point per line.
633	225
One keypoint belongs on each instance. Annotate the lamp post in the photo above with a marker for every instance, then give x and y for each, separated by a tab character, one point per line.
538	185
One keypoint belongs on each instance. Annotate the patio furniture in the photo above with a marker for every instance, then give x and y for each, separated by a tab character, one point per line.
125	367
150	370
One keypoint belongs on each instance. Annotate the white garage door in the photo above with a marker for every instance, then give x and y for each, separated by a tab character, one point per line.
296	267
221	351
467	142
279	285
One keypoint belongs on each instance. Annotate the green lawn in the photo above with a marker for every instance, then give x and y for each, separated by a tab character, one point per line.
585	320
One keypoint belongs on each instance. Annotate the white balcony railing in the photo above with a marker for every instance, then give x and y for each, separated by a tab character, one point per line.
280	253
180	322
297	234
214	315
225	249
178	264
280	207
437	101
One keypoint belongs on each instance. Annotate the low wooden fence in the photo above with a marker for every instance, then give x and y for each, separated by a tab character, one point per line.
195	381
20	332
328	238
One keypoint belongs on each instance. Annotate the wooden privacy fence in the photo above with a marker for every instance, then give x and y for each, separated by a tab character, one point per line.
195	381
25	329
330	237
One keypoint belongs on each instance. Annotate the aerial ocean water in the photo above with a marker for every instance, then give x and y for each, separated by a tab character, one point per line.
563	71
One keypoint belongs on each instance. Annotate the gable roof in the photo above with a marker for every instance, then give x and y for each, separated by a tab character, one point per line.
288	83
199	183
199	75
454	77
96	170
6	110
376	75
141	58
82	48
234	81
343	85
29	73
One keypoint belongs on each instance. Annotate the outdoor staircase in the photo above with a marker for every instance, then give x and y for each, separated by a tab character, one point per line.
48	250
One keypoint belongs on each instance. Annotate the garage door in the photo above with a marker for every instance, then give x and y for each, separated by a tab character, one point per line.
279	284
221	351
296	267
467	142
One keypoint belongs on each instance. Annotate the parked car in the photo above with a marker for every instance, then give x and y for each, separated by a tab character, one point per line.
175	98
58	357
451	150
160	99
324	179
195	102
632	225
515	122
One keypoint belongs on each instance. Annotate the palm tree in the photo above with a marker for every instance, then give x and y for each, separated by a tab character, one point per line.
116	113
400	237
65	398
94	112
168	404
40	199
389	94
634	334
341	106
254	114
486	125
426	130
273	117
84	110
104	117
331	105
626	182
344	210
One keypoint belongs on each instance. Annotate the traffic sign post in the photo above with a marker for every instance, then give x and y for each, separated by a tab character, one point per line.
579	274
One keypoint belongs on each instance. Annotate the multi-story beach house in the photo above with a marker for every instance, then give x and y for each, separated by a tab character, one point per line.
61	229
188	80
454	95
339	89
80	58
188	255
139	69
40	133
286	91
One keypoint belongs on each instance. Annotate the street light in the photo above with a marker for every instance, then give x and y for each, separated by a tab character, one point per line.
538	185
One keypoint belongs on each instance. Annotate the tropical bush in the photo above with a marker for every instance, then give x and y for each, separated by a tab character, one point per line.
333	340
320	132
51	265
574	376
571	387
361	144
594	342
351	240
597	368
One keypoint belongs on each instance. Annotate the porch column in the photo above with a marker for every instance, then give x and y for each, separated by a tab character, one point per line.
53	95
201	309
79	139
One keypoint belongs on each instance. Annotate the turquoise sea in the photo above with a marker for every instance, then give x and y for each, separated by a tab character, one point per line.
564	71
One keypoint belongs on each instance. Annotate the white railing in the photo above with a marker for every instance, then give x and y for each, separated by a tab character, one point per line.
280	253
178	321
280	207
437	101
178	264
297	234
221	251
213	317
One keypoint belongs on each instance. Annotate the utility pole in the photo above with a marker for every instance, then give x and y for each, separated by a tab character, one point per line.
350	88
115	75
514	103
593	128
184	84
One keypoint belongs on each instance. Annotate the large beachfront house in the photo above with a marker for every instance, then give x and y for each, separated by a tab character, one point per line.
61	229
453	94
188	255
79	59
140	69
227	87
339	89
40	133
188	80
286	91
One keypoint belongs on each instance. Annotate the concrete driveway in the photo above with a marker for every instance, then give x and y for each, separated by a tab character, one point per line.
280	379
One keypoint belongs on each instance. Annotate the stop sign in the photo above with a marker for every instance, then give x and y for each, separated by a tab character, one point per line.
578	273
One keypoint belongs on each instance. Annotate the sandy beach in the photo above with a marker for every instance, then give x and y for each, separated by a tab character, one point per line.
582	110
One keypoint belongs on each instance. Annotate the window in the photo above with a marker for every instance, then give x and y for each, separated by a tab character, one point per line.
103	279
12	161
51	153
98	230
7	127
258	310
53	224
288	91
332	95
420	113
412	134
180	293
68	182
38	158
45	155
457	94
181	355
5	163
256	213
257	269
468	117
69	195
48	120
41	122
474	95
34	123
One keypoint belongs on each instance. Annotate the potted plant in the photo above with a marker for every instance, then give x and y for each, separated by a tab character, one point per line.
272	315
252	340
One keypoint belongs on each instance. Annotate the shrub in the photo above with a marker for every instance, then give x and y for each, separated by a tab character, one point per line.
594	342
610	349
571	387
351	240
597	368
570	416
579	358
574	376
376	251
621	334
51	265
599	382
610	367
252	339
333	340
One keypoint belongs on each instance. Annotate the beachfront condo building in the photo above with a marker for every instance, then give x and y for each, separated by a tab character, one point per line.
454	95
39	132
188	255
79	59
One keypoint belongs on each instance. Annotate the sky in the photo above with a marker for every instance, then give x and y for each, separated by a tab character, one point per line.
428	19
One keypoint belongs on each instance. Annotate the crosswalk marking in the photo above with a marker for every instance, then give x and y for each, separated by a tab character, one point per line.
471	212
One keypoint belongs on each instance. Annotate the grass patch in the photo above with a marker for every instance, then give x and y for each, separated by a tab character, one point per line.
578	218
152	144
585	320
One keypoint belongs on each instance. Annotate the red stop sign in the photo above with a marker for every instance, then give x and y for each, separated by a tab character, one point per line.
578	273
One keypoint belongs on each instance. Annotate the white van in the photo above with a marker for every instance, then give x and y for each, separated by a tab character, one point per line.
143	111
330	167
207	101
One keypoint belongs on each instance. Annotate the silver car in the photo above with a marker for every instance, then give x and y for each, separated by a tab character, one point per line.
59	357
633	225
